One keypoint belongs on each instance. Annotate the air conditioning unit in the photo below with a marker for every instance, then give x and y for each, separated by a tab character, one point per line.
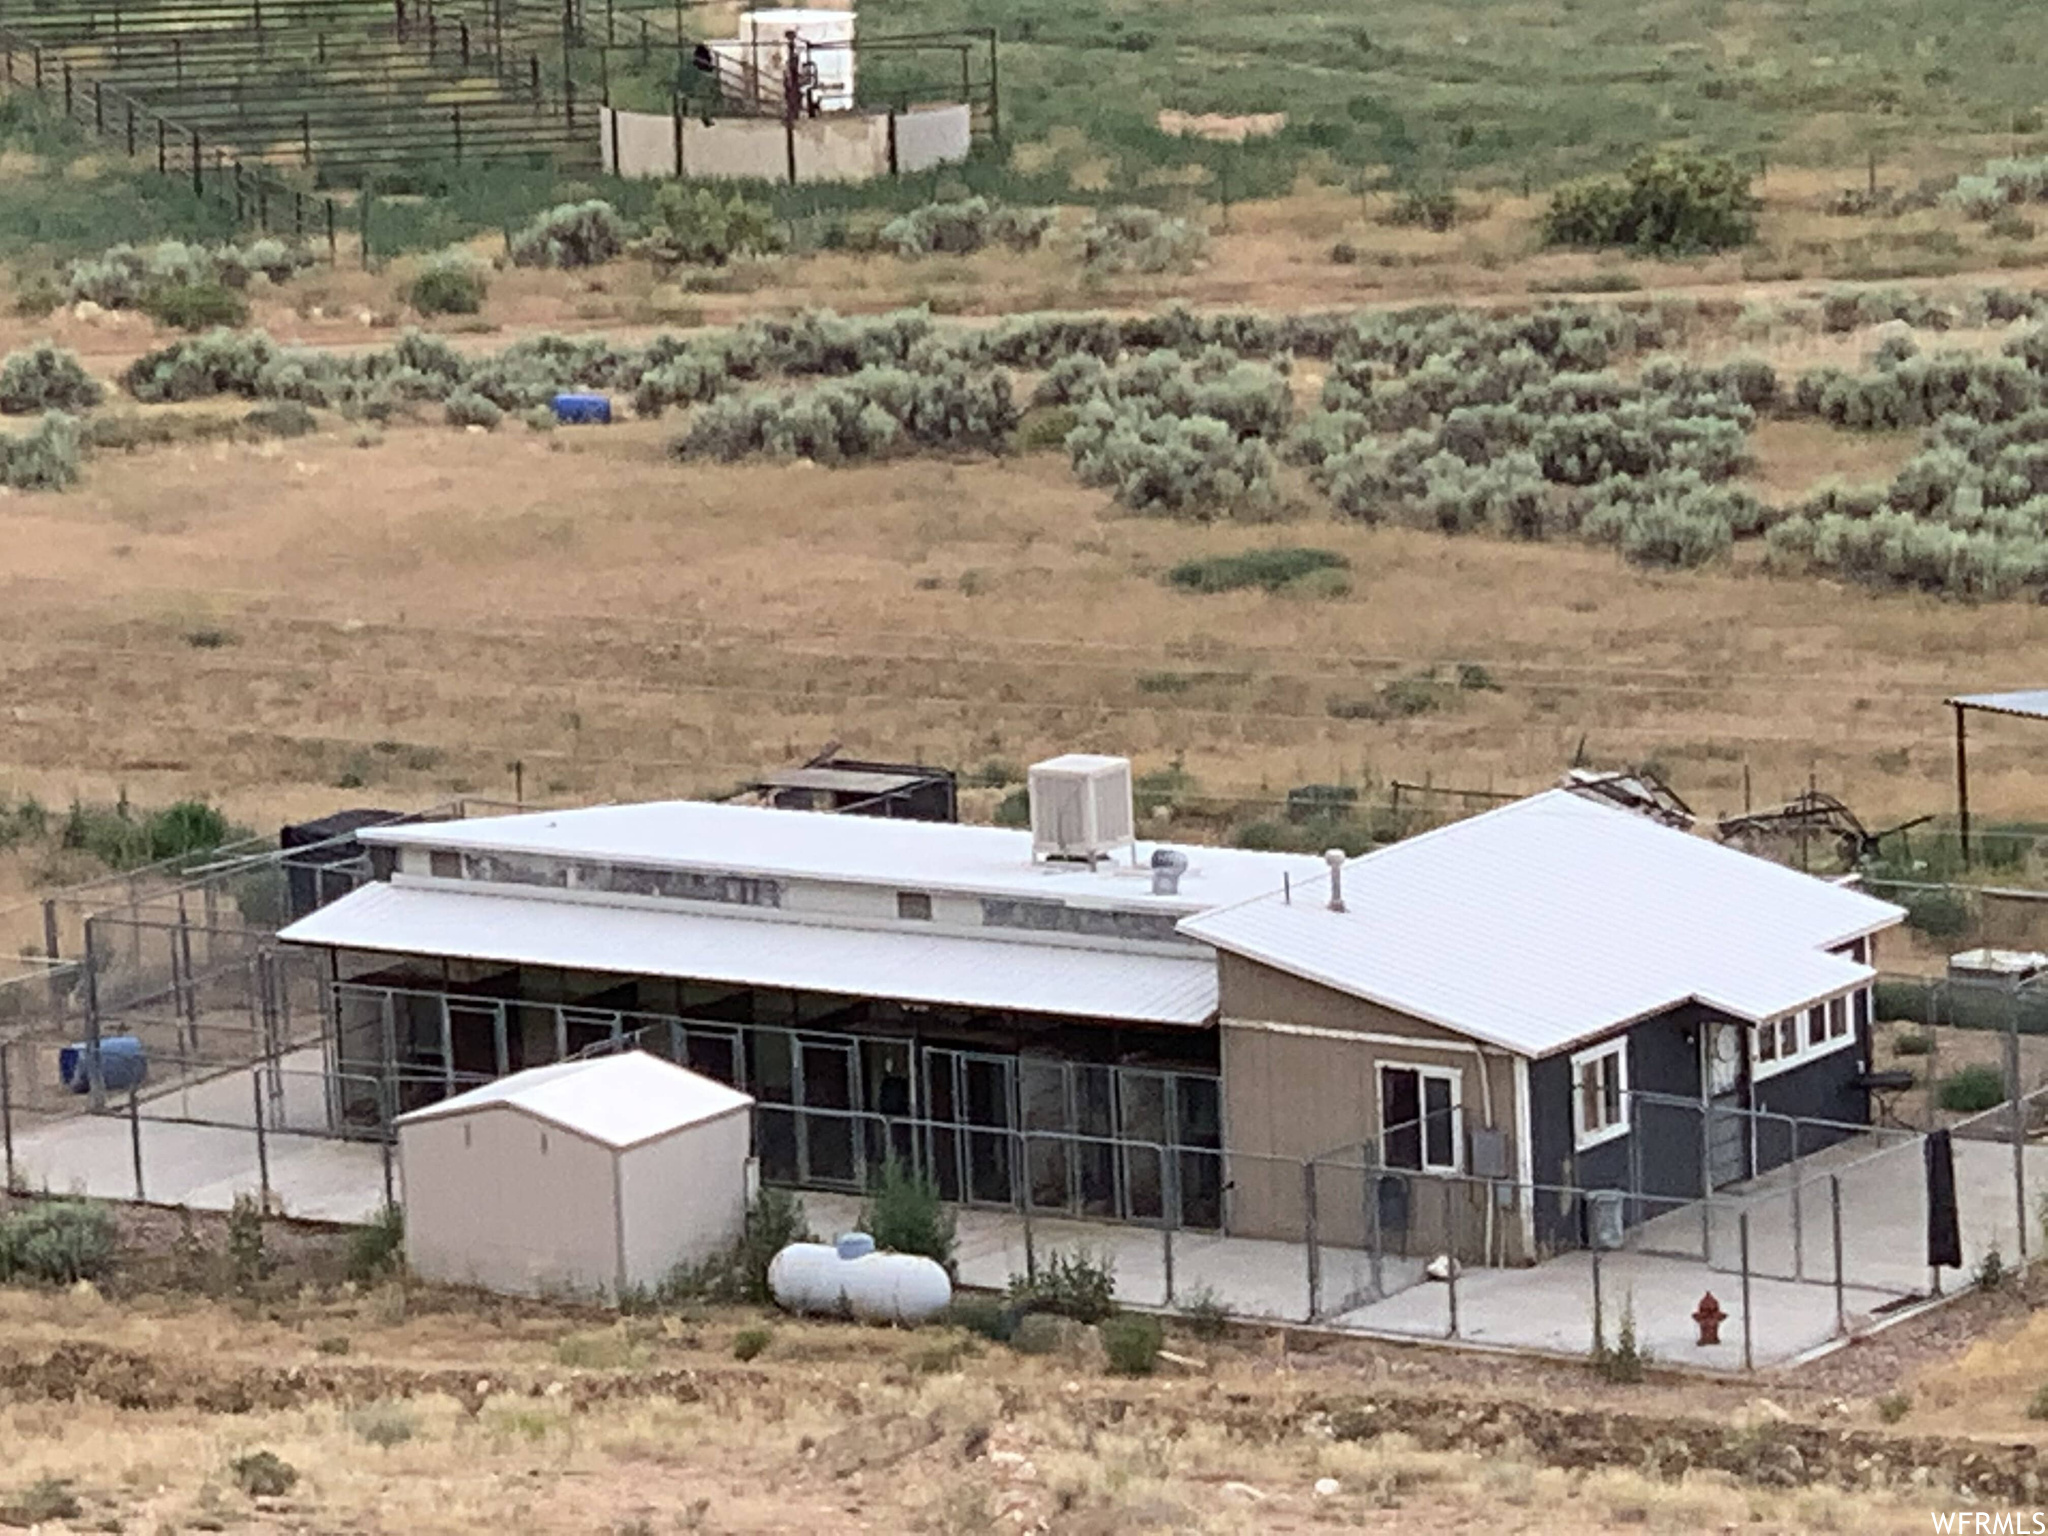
1081	806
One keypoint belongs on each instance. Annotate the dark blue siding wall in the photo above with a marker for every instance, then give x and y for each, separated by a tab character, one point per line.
1663	1057
1666	1138
1822	1089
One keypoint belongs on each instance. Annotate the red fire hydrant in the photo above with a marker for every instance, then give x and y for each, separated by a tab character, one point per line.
1710	1317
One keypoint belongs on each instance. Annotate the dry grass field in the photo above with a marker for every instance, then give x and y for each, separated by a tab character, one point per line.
409	1410
285	626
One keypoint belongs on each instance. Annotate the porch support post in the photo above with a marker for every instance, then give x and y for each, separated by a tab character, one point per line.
1962	785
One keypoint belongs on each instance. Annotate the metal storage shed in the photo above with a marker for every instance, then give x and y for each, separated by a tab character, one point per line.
588	1177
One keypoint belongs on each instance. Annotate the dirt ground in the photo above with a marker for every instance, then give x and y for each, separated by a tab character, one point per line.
407	1409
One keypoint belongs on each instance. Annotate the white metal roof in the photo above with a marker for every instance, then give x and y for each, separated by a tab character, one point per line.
761	840
1556	919
619	1100
913	967
2030	702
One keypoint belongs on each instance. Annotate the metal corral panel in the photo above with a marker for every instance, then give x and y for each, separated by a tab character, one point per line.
762	951
1555	919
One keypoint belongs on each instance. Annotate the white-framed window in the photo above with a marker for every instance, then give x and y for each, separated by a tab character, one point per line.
1794	1039
1420	1123
1600	1094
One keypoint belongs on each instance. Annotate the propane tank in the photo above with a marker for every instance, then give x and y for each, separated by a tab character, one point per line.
849	1278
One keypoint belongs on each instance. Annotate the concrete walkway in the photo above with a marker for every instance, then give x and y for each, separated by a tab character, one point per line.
206	1165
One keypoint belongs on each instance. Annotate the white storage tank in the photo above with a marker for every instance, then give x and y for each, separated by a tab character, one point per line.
849	1278
764	39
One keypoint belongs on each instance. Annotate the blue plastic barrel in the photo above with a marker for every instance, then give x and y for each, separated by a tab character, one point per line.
122	1065
583	410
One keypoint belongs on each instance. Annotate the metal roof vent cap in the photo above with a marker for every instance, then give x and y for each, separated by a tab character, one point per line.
1168	865
1335	859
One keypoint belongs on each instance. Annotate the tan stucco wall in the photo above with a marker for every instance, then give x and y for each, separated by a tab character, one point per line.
684	1197
1294	1096
513	1205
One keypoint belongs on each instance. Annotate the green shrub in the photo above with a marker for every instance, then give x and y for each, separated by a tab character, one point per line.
221	362
1971	1089
1940	914
58	1242
906	1215
1991	1271
42	1501
1132	1341
45	377
1080	1285
741	1275
45	459
1181	466
1894	1406
1206	1315
282	418
453	282
384	1424
467	408
1623	1360
249	1259
697	226
263	1475
1914	1042
985	1316
749	1343
1044	427
1140	239
126	276
377	1248
1434	209
2037	1405
1670	203
869	414
571	235
964	226
195	306
1271	569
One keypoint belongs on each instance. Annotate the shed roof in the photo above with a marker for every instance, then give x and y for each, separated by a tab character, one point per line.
2030	702
1025	973
917	855
845	781
1556	919
620	1100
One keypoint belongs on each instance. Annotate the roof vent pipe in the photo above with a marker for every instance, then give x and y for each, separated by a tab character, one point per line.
1335	859
1168	865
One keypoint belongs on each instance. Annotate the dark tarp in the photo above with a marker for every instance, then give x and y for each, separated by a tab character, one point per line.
1944	1227
310	845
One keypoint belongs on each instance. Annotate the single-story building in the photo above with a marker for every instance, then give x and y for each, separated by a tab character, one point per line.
1558	994
584	1178
1523	1004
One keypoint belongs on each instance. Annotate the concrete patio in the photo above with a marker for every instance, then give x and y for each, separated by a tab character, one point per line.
1549	1307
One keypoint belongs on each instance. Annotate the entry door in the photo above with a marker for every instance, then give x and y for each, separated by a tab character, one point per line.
1727	1141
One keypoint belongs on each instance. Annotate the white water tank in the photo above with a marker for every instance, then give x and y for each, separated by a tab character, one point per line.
1081	806
825	40
849	1278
